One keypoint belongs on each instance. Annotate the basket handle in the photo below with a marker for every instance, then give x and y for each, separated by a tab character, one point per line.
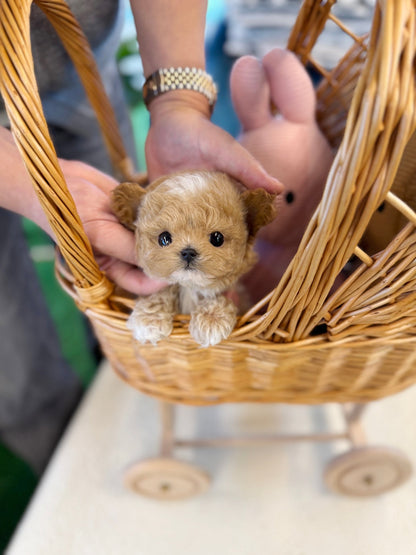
307	27
24	108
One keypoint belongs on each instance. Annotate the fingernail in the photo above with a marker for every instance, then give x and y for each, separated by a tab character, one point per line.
277	185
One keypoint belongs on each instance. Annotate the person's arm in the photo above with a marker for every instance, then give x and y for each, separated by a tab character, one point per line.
171	33
113	244
16	191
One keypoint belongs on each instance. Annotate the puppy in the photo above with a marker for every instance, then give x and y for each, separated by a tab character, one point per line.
196	231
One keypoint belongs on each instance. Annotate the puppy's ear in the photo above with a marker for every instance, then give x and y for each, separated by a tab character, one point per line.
261	209
125	201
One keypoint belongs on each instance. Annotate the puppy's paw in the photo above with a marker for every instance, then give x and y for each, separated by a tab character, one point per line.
150	328
152	317
213	321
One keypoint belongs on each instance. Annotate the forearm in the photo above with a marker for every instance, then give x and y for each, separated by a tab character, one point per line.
16	190
170	33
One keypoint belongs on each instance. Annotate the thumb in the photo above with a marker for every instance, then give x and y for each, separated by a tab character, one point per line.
232	158
250	93
129	277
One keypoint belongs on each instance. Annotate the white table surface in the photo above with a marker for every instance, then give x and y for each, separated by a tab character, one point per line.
267	500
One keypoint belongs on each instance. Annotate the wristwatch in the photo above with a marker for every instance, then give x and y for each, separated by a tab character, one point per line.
178	78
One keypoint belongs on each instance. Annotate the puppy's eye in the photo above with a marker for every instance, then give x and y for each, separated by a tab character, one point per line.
164	239
216	238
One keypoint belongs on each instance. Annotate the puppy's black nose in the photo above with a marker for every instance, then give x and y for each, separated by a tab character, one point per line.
188	254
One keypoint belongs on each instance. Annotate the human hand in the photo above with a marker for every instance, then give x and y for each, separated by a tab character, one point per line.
181	137
113	245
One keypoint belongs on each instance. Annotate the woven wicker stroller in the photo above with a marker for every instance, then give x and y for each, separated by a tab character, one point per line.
304	343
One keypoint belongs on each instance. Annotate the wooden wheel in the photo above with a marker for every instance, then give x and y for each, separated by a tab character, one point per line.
366	471
164	478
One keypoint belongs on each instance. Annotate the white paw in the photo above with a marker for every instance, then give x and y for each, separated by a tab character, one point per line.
212	324
149	328
207	337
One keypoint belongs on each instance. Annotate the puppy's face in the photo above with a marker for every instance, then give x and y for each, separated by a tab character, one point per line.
191	230
195	229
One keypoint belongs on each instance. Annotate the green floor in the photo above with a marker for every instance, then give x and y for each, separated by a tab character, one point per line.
17	483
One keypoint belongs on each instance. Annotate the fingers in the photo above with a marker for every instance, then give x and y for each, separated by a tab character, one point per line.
116	248
73	169
110	238
250	93
291	87
129	277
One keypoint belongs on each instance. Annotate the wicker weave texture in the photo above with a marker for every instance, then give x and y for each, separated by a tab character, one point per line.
307	341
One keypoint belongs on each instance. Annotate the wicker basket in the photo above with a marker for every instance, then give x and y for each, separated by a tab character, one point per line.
304	342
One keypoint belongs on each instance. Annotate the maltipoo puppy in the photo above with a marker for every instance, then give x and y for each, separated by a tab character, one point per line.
196	231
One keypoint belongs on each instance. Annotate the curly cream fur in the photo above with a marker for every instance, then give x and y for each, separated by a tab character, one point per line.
152	316
191	206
